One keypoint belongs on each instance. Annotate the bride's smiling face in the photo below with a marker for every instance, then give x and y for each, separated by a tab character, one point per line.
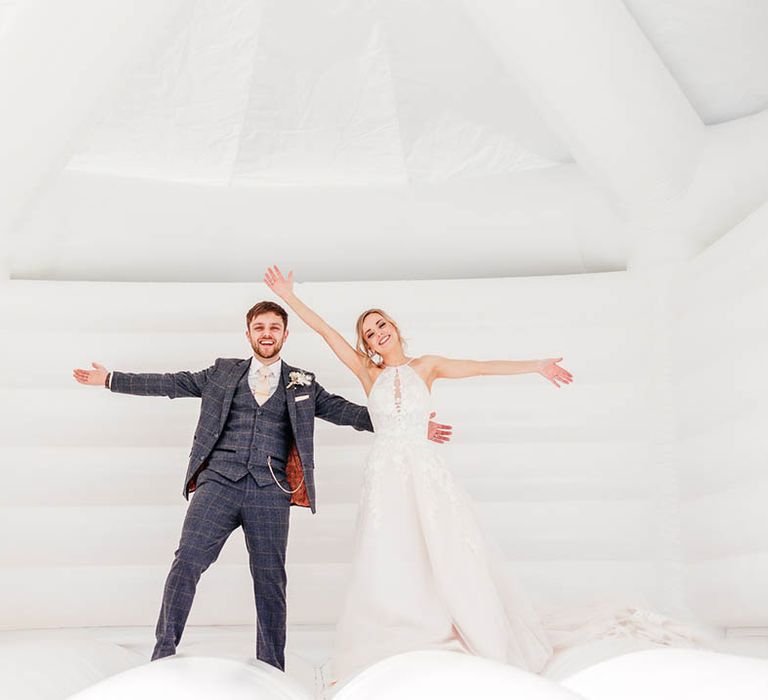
379	334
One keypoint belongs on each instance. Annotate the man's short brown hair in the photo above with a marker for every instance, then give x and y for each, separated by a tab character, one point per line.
265	307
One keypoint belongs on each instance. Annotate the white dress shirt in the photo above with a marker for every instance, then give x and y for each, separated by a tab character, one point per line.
273	374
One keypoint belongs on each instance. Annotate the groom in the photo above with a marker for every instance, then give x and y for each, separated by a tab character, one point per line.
252	457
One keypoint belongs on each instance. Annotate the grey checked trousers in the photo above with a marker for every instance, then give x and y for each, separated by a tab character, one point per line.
218	507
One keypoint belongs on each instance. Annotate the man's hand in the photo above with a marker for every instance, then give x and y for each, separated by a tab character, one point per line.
550	370
437	432
95	377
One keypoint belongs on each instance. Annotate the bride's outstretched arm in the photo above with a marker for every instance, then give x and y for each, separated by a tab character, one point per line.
283	287
446	368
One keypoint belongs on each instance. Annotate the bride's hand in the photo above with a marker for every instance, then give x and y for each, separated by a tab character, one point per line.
549	370
280	285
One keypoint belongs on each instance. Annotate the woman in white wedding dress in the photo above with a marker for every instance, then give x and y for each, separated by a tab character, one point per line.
422	577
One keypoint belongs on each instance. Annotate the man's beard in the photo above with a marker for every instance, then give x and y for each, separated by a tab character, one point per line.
267	352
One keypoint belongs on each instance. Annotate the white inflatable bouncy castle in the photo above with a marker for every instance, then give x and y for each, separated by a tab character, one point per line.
508	179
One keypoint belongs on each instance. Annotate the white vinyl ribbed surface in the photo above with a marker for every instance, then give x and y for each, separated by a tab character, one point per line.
576	485
721	340
93	480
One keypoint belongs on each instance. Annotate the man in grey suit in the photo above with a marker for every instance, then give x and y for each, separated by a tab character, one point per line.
252	457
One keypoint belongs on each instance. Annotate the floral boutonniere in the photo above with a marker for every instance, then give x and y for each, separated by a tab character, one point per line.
299	379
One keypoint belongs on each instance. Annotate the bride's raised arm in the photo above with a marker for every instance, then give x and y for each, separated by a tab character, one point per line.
283	287
446	368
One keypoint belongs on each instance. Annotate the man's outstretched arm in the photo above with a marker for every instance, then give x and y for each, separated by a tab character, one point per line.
336	409
173	385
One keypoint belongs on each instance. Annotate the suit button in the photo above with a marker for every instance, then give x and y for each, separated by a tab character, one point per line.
258	412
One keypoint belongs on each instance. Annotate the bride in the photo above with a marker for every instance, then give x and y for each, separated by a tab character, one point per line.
422	575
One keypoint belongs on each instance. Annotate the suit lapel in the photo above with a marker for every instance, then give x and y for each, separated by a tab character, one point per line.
294	469
290	396
231	382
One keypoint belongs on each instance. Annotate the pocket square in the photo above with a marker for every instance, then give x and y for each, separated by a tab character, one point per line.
302	397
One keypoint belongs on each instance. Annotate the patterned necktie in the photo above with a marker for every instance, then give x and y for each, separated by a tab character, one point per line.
261	386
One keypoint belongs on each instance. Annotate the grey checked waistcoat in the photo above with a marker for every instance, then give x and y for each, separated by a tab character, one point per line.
252	434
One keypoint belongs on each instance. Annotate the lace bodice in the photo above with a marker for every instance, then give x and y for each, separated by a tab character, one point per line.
399	405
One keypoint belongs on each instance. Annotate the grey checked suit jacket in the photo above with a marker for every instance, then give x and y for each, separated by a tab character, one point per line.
216	387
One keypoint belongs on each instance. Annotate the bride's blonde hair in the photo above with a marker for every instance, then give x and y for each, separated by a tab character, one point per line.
362	346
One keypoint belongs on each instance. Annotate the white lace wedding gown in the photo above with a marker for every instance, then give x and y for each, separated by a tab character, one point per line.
421	575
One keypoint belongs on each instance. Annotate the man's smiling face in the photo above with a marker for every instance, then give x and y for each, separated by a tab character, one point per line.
266	334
